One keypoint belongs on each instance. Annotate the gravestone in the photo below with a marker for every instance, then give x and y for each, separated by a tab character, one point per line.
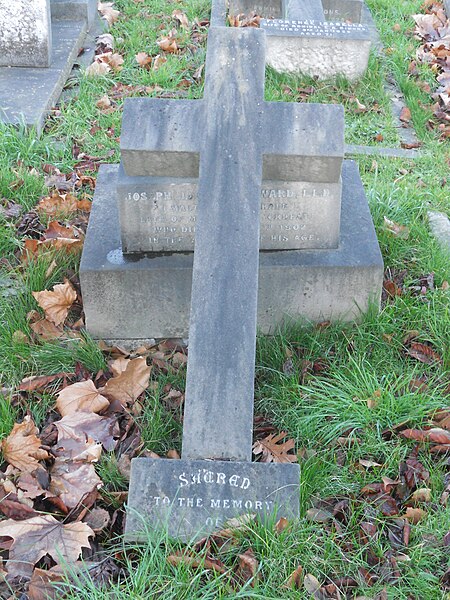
39	42
25	33
215	479
319	256
301	40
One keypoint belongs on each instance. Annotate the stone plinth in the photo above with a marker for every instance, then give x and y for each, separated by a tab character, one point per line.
193	498
25	33
317	49
149	296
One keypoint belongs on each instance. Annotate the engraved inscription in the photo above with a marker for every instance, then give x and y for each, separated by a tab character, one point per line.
216	496
314	28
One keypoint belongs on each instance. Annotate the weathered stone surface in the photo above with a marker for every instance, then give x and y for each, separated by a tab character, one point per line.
304	10
447	7
343	10
194	498
158	214
149	296
440	228
301	142
266	8
222	325
27	94
74	10
25	33
322	50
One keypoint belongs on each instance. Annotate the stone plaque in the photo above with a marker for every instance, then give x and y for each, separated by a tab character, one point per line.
158	215
317	49
25	33
197	497
266	8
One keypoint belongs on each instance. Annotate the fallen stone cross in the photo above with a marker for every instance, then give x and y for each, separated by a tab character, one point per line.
215	480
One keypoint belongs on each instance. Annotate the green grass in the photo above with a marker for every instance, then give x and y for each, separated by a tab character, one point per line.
363	361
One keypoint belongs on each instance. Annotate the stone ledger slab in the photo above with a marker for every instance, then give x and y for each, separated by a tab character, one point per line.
317	49
194	498
25	33
17	103
148	296
158	214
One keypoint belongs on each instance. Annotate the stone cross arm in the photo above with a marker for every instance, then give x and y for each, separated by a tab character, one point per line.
301	142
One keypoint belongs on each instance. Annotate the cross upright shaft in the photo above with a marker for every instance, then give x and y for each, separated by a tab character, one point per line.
218	416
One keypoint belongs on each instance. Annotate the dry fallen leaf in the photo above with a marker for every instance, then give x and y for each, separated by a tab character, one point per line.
423	353
248	567
272	451
57	303
88	426
97	69
38	536
400	231
181	17
71	481
22	448
295	579
311	584
108	12
143	60
130	383
81	397
414	515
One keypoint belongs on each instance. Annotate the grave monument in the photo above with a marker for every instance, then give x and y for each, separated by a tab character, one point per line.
39	42
310	36
234	213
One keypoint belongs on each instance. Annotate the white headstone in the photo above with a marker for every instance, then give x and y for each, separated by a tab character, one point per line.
25	33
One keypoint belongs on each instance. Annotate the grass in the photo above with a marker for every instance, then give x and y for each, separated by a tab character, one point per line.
364	361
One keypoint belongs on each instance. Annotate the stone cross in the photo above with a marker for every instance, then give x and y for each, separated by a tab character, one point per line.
215	480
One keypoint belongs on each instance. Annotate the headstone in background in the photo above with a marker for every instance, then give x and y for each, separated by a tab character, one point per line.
29	38
25	33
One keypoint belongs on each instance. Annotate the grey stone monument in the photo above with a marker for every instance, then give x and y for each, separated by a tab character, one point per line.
39	42
312	37
215	480
239	172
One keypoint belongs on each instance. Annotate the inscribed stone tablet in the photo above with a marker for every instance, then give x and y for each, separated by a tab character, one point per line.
25	33
194	498
342	10
264	8
158	215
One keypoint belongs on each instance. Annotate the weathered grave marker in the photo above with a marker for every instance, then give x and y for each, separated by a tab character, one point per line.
200	492
300	40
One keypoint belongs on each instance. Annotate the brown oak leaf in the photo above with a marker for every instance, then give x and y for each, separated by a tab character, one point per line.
81	397
80	427
22	448
273	451
36	537
57	303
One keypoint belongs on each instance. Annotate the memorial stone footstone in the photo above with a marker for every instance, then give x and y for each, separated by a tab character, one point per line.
215	480
25	33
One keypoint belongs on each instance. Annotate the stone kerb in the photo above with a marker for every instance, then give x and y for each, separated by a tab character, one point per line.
25	33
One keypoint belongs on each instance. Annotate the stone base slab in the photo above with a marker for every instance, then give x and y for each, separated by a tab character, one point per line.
27	94
135	297
191	499
74	10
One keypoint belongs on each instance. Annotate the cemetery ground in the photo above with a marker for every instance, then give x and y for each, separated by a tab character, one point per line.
366	405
